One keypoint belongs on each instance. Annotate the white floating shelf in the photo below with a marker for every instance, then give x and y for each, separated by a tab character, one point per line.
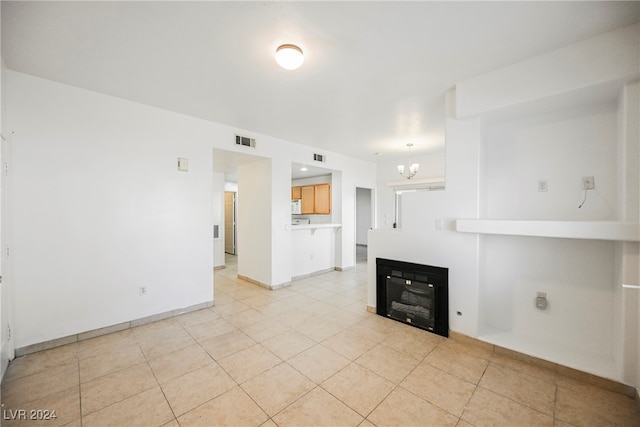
597	230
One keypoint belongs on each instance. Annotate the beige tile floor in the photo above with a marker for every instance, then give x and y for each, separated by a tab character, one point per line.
306	355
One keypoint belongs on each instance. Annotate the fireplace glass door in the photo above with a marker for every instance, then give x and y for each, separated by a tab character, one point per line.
415	294
411	301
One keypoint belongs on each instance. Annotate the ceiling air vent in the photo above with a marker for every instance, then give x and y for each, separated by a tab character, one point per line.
319	158
247	142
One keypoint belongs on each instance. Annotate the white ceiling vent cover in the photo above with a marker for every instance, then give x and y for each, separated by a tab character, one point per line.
319	158
247	142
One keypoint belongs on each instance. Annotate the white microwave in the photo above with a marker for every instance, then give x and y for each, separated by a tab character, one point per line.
296	207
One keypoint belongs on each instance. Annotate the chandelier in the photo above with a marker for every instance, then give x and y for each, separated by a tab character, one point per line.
413	167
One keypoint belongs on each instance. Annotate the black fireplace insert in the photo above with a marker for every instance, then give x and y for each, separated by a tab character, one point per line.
415	294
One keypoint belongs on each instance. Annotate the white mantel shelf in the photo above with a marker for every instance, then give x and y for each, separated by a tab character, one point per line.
597	230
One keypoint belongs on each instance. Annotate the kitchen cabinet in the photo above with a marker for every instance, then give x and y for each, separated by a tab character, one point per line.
296	193
315	199
307	194
322	199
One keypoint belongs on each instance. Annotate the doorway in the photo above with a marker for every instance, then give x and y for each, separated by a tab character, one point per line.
230	222
364	221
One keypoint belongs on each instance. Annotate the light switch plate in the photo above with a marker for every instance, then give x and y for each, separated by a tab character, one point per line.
183	164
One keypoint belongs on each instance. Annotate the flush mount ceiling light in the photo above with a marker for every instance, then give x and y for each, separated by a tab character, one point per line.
413	167
304	169
289	56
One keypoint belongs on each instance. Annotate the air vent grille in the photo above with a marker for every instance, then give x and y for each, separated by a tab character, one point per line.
319	158
247	142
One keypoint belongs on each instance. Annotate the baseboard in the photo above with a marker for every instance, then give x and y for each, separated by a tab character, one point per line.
219	267
57	342
264	285
565	371
315	273
6	354
345	268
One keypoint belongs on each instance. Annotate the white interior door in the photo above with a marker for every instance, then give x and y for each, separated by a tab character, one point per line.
230	222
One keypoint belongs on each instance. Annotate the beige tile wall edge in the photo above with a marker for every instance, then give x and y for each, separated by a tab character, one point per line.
46	345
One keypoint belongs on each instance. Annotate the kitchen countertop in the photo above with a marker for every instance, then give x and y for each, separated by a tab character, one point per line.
313	226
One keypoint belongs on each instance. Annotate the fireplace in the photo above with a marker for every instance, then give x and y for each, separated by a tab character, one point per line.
415	294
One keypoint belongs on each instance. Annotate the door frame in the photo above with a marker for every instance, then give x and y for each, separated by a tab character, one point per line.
233	234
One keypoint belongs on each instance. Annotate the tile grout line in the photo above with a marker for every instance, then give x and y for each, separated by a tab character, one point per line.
80	391
555	401
232	378
175	417
399	382
518	402
345	403
477	385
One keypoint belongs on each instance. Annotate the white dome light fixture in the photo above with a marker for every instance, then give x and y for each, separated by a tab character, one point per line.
289	56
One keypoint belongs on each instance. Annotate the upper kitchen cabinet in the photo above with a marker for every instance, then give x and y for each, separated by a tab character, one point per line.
296	193
315	199
322	199
308	199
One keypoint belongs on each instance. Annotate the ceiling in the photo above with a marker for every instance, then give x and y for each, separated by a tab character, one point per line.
374	76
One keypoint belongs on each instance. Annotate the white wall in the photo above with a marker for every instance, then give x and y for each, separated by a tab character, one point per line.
432	165
419	241
628	253
568	69
577	276
638	276
561	145
281	245
6	308
561	148
578	279
100	208
314	251
254	220
218	218
522	123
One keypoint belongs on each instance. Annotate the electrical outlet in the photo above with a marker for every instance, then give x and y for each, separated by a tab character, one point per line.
588	183
541	301
543	185
142	290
